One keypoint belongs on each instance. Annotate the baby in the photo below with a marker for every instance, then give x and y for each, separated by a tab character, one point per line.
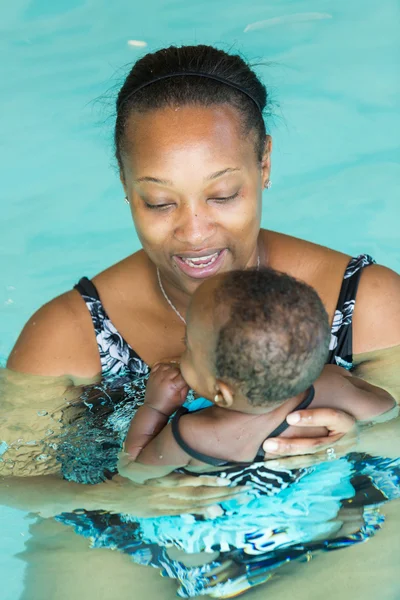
256	346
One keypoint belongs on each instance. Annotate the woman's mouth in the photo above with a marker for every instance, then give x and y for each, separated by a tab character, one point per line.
201	266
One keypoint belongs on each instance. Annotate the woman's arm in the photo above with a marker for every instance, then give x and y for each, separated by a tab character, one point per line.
50	495
336	390
376	319
380	368
343	400
32	414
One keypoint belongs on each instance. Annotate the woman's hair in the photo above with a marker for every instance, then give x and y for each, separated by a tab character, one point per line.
275	341
201	91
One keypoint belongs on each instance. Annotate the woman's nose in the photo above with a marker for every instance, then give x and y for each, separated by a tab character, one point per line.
194	225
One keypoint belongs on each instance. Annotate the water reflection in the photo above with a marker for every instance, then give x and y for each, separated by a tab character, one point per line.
49	427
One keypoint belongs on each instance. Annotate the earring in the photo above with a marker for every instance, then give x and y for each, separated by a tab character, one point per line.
268	184
216	398
126	199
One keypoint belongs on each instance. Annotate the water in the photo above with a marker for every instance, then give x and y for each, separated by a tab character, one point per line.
334	81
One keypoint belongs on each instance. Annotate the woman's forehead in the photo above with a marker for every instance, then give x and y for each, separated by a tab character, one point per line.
190	133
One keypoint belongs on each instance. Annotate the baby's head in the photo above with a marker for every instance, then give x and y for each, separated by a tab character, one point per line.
254	339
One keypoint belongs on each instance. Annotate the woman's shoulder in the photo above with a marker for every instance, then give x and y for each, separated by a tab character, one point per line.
125	275
58	340
319	266
376	320
127	292
292	254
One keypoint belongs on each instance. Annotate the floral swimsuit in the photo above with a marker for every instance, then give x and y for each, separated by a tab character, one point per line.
289	507
119	359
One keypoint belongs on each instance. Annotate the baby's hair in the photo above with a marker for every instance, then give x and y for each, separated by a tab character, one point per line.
275	341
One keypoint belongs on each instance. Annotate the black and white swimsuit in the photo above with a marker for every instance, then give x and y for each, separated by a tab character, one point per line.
119	359
291	499
123	369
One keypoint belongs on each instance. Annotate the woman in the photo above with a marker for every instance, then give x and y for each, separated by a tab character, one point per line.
194	158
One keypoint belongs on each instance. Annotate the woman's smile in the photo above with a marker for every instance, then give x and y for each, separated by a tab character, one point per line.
202	264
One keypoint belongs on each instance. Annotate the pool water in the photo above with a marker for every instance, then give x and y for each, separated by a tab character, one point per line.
332	72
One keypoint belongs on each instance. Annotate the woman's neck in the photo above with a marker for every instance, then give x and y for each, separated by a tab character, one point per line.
176	295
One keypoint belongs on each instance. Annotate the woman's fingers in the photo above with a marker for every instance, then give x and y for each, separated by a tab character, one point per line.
294	446
296	457
191	495
191	500
150	501
175	360
209	512
323	448
336	421
155	367
174	480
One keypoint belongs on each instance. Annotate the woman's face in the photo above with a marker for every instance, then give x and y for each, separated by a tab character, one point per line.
195	188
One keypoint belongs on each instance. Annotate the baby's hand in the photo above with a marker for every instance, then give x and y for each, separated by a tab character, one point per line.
166	389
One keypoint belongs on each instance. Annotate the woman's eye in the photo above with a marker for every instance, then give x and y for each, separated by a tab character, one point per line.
157	206
226	198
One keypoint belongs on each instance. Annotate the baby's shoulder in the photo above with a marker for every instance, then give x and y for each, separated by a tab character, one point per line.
202	426
209	431
222	434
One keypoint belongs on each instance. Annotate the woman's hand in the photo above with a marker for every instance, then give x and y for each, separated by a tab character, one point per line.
172	495
50	495
337	422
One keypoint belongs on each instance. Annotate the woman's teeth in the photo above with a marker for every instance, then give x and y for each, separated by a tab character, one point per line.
201	262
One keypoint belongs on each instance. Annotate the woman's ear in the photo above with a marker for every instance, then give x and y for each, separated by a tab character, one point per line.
223	394
122	179
266	160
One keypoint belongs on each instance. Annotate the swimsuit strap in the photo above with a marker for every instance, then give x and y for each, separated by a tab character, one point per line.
218	462
117	358
341	345
87	288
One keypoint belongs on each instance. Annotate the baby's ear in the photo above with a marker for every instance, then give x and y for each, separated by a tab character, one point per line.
224	394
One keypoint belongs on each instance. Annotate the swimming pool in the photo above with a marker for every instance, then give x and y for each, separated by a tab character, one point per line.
332	75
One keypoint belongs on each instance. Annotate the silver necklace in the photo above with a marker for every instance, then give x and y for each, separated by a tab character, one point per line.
164	293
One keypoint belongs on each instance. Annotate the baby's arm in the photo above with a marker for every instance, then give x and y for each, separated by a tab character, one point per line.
146	441
166	391
161	456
